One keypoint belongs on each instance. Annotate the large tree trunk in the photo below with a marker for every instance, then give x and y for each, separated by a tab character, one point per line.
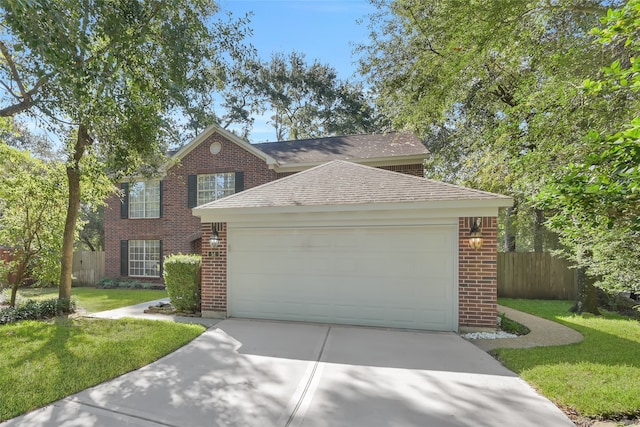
73	209
587	301
509	234
538	230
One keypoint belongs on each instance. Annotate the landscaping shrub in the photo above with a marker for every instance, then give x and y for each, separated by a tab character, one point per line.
37	310
108	283
511	326
182	278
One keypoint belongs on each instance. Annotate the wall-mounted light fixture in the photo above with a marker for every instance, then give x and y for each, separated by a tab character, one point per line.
214	240
475	235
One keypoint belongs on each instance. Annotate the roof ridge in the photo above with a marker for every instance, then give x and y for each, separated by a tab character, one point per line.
329	137
434	181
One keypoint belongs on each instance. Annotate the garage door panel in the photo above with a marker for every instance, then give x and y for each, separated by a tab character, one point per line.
397	277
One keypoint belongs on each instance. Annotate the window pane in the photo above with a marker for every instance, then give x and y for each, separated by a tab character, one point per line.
215	186
144	258
144	199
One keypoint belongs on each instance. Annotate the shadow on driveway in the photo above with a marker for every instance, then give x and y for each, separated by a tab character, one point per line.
262	373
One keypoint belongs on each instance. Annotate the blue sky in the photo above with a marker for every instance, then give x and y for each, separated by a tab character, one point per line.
321	29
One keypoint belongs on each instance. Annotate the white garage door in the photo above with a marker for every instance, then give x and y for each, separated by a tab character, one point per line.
384	276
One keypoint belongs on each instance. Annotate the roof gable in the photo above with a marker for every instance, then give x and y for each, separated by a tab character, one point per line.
204	135
341	183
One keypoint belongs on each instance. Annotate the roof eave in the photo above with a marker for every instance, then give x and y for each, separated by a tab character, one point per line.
373	161
214	213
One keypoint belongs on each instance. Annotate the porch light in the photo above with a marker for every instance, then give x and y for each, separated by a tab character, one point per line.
475	235
214	240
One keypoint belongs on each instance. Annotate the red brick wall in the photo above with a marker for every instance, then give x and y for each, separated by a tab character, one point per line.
477	275
177	226
415	169
411	169
214	273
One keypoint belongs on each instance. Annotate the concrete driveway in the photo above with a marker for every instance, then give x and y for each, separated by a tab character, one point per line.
260	373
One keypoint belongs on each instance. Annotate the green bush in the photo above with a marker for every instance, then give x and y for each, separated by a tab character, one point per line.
511	326
182	278
37	310
108	283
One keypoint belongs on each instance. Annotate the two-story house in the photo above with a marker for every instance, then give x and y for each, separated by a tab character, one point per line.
153	218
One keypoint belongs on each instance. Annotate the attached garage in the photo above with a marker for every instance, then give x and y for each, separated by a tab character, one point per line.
376	276
348	244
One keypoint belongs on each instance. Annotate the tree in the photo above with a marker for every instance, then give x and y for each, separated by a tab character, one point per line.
91	236
31	216
310	101
597	198
108	77
495	88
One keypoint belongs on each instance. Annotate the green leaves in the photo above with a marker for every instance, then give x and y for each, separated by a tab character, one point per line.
308	100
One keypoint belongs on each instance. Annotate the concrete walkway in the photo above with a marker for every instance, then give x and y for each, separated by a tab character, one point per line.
543	333
137	311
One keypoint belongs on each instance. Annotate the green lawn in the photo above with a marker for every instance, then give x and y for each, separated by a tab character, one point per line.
599	377
41	362
94	300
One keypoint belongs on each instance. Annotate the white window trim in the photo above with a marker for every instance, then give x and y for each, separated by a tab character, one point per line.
144	252
229	191
145	202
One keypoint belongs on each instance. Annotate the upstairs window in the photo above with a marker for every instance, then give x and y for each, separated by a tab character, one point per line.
205	188
144	199
215	186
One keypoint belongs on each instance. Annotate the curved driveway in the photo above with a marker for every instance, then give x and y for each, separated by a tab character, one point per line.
259	373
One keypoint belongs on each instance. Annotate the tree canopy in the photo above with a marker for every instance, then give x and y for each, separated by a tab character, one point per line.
596	199
309	100
107	77
504	94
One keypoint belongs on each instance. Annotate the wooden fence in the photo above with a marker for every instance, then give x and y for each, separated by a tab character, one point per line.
535	275
88	268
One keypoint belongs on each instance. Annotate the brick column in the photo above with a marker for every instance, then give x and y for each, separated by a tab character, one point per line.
477	275
214	273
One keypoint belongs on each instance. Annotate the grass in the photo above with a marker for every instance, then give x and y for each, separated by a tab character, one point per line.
41	362
94	300
598	378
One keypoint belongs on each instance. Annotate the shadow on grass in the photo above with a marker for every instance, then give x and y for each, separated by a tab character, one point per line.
598	376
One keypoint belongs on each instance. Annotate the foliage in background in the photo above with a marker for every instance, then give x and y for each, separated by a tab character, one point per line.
309	100
182	278
597	198
32	214
91	236
108	77
497	91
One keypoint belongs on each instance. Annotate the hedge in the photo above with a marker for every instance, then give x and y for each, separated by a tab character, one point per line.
182	278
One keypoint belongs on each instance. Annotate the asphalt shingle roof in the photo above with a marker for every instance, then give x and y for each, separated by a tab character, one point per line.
349	147
345	183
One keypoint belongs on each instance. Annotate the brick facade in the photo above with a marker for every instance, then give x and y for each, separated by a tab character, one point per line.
214	273
411	169
178	228
477	275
